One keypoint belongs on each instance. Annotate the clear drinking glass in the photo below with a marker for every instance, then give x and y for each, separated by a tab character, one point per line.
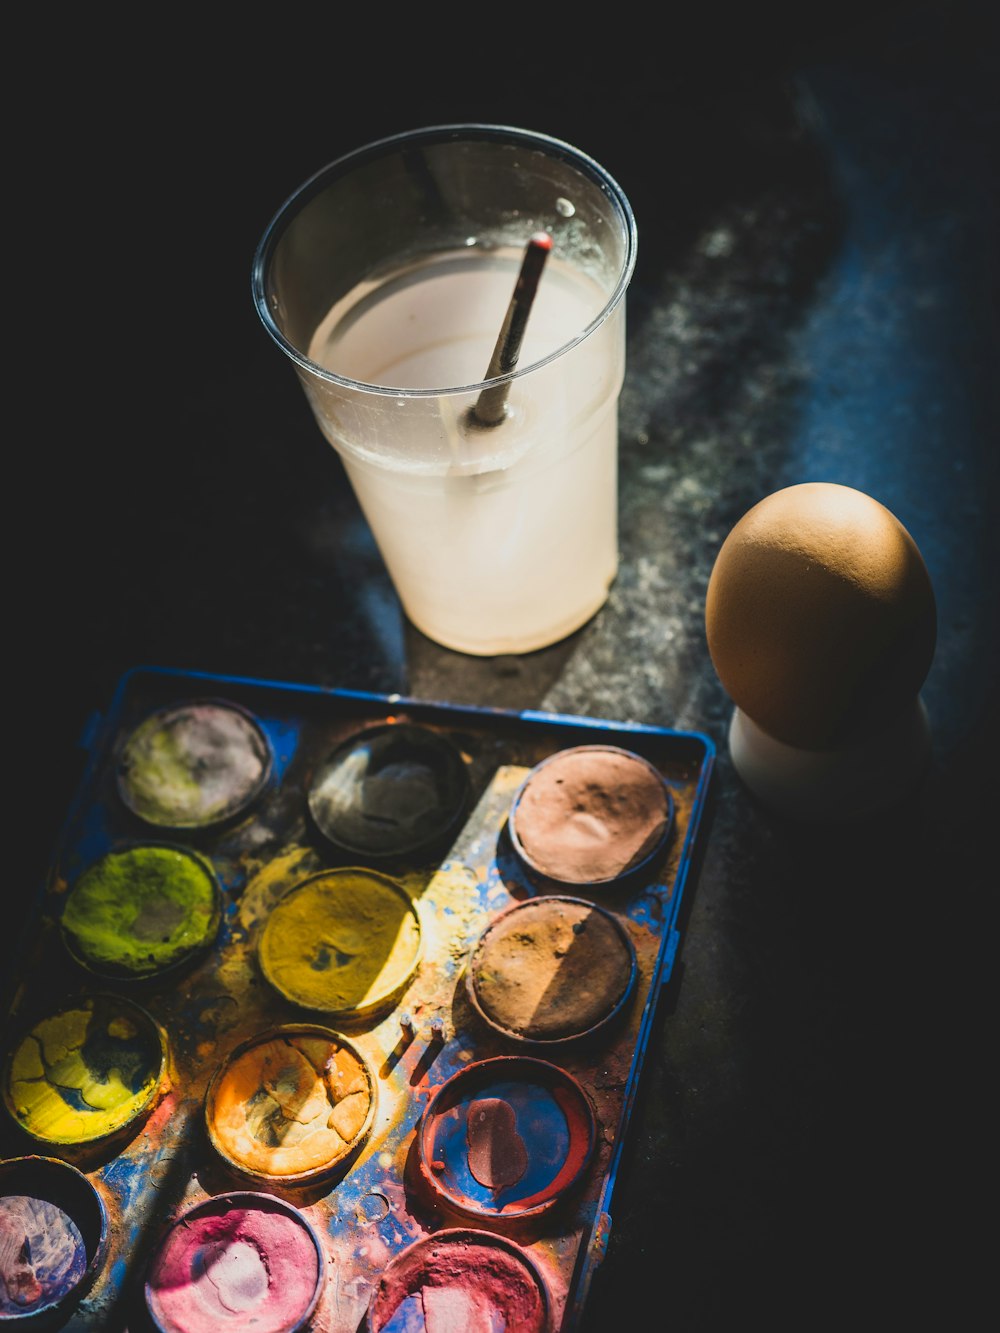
386	278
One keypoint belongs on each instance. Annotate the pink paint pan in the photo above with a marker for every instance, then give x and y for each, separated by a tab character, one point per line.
506	1139
460	1279
237	1261
592	816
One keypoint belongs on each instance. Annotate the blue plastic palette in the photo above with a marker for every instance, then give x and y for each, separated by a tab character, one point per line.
471	1134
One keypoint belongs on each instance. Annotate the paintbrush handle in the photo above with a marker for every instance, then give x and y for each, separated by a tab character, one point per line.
490	407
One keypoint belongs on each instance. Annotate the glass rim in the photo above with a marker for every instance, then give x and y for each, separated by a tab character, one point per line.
284	215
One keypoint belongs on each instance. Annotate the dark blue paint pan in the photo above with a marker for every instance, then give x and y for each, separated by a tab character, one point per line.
506	1138
396	790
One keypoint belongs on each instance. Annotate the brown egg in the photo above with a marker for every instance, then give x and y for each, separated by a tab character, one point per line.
820	615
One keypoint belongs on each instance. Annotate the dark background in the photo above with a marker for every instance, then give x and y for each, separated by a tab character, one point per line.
815	299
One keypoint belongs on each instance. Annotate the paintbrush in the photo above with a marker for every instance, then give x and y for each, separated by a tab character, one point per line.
491	406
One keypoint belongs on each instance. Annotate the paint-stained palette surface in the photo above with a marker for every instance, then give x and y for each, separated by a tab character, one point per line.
422	1162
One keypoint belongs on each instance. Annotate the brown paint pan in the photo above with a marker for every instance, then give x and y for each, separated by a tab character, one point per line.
552	970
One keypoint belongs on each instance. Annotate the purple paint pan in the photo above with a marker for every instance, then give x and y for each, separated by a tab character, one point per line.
236	1261
552	970
592	815
460	1279
53	1240
505	1139
194	765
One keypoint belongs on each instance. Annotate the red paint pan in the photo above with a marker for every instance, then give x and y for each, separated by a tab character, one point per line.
462	1280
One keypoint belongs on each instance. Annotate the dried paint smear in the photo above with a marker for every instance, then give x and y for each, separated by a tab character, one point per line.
497	1155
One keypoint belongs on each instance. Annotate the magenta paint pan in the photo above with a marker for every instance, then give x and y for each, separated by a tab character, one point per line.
396	790
505	1139
552	970
592	815
236	1261
53	1240
194	765
460	1279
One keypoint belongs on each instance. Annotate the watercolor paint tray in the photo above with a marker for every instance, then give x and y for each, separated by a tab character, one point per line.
480	1100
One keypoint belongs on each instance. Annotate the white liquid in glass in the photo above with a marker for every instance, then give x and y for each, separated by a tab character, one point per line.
499	539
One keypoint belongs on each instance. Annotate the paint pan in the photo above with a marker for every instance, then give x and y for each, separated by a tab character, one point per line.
505	1139
236	1261
141	912
344	942
552	970
194	765
594	815
53	1240
396	790
88	1073
460	1279
291	1106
